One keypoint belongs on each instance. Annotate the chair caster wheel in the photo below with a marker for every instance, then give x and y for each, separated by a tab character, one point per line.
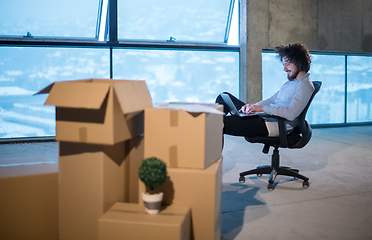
270	187
259	174
242	179
305	184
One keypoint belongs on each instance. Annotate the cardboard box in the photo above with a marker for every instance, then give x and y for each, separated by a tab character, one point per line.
98	111
130	221
93	177
201	191
184	136
29	200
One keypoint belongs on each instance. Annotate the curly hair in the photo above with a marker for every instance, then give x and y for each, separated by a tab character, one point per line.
297	54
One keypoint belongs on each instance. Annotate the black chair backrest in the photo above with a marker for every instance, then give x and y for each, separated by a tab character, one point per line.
303	126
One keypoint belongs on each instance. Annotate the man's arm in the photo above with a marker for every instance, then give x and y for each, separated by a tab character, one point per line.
268	101
259	106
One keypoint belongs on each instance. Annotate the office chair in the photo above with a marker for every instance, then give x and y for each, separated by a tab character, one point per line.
297	138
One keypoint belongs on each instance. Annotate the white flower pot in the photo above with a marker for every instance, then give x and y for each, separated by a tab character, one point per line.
152	202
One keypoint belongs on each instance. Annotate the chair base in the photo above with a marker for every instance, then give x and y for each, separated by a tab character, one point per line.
282	170
274	170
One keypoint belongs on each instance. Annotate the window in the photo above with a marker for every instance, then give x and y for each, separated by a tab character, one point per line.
329	104
25	70
68	18
359	88
182	76
192	20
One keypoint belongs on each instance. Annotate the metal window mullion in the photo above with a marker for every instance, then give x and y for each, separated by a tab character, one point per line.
113	30
229	19
98	24
113	21
345	107
111	63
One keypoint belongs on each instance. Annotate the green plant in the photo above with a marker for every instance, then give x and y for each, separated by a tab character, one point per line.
152	173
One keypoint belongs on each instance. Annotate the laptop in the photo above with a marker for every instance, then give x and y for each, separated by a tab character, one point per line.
233	110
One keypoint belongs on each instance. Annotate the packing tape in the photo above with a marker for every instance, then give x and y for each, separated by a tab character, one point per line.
173	118
83	134
173	161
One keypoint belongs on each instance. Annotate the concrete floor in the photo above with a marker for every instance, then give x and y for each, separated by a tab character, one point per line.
337	205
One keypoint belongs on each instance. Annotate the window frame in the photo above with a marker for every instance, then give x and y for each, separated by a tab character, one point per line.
111	37
111	40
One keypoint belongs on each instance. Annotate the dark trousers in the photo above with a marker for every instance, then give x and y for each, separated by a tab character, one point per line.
251	126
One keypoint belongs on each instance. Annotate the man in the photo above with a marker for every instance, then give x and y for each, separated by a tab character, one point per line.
288	102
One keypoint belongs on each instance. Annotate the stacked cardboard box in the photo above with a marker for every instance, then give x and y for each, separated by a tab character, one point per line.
29	200
99	125
188	138
130	221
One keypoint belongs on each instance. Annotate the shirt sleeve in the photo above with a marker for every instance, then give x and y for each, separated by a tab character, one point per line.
268	101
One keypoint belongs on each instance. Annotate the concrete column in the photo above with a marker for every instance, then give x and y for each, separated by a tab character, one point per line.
257	39
243	49
326	25
367	26
293	21
339	22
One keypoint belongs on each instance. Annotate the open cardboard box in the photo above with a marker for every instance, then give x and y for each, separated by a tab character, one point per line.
99	111
184	135
130	221
201	191
99	126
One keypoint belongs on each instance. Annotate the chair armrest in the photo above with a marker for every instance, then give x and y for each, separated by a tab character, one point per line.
282	129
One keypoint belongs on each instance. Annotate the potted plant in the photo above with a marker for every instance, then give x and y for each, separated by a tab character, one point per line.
152	173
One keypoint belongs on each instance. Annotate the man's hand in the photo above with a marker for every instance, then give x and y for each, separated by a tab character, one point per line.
248	108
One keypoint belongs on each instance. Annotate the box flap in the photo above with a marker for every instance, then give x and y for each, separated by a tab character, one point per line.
77	94
49	87
193	108
133	95
45	90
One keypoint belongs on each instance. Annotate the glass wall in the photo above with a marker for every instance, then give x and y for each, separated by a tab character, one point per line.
180	76
359	89
329	104
25	70
183	76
